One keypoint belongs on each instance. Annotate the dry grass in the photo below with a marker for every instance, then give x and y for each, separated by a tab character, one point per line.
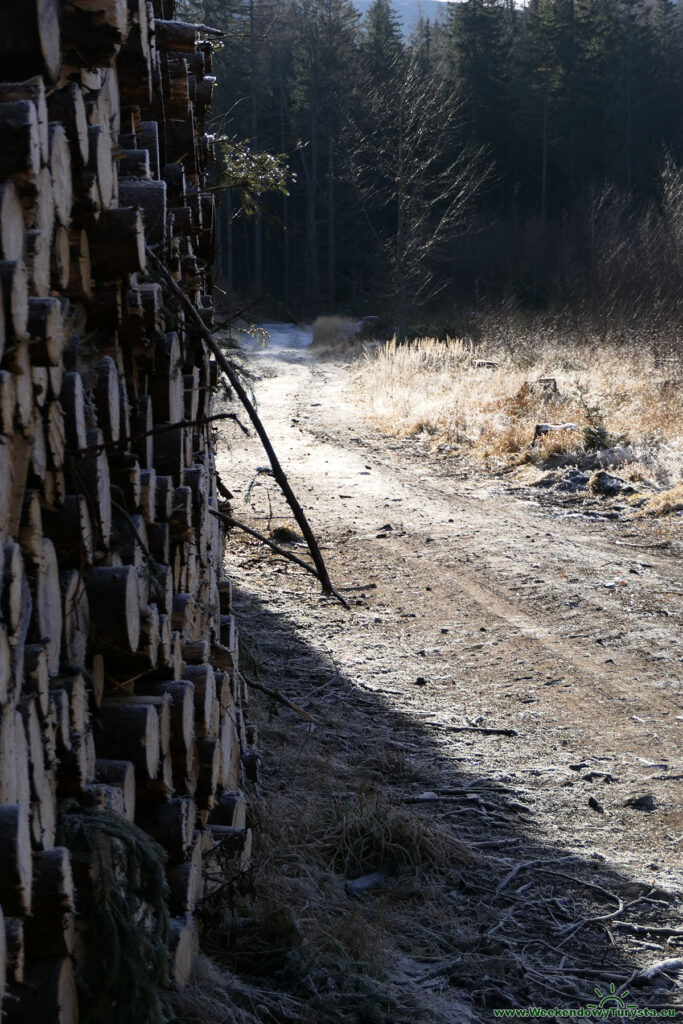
664	503
617	396
333	332
298	947
368	834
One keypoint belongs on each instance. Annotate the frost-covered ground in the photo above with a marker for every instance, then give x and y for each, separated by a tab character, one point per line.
274	335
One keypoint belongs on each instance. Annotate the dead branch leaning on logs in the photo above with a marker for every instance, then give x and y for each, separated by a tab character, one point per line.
236	383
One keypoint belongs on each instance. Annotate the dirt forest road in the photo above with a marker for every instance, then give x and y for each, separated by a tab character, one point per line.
525	656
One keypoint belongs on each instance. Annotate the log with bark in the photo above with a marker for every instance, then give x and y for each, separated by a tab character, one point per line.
118	244
114	610
130	731
15	294
48	995
67	107
46	331
92	478
93	31
11	222
16	860
20	151
120	774
31	39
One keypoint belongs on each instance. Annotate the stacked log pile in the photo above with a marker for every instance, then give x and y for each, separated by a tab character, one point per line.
119	681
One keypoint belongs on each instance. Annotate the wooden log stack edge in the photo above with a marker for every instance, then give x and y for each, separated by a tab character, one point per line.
119	679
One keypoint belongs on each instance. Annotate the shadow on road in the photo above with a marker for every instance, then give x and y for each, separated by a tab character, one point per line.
442	932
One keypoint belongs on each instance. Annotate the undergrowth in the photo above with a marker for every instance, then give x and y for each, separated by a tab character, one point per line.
333	332
483	397
278	957
366	834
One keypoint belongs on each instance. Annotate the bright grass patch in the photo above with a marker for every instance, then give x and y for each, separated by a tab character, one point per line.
488	399
333	331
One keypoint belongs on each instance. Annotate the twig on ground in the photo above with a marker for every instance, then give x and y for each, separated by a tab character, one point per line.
280	698
570	930
637	929
473	728
523	865
319	689
331	592
647	974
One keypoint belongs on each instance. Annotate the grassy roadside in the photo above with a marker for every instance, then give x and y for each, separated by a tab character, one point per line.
619	405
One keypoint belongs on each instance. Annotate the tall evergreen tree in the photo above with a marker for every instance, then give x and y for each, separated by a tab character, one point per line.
481	38
382	42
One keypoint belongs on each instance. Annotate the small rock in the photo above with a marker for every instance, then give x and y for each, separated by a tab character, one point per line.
387	526
573	480
603	483
592	802
548	428
646	802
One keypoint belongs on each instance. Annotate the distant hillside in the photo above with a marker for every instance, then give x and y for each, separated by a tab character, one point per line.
410	11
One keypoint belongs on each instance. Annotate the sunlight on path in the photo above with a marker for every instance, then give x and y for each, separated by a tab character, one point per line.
280	336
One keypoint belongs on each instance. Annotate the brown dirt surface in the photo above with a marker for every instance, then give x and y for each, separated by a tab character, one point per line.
508	678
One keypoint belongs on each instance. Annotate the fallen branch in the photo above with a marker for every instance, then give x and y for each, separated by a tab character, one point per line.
673	964
276	695
643	929
570	930
279	551
163	428
333	679
473	728
278	472
524	865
